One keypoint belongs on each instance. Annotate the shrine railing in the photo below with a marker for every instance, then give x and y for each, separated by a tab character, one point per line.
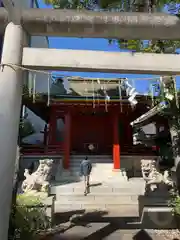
40	149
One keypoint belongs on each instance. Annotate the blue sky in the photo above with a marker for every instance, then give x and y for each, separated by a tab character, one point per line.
101	45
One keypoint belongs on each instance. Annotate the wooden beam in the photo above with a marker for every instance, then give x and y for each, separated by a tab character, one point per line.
99	61
73	23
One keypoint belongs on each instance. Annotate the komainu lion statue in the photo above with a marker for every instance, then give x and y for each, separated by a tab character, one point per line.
39	180
153	178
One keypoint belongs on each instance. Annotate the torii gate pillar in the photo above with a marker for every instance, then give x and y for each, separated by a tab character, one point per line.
10	102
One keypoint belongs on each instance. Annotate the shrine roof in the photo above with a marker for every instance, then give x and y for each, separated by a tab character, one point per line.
80	88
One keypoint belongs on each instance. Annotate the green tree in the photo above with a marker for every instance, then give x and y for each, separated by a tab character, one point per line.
128	5
155	46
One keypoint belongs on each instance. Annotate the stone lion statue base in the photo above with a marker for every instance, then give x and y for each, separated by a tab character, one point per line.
39	180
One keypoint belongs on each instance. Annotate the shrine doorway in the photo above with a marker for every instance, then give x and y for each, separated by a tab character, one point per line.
88	130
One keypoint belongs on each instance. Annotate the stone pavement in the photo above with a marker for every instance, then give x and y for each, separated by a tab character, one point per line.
109	231
96	225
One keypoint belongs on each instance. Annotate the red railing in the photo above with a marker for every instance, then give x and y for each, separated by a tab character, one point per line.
41	149
58	149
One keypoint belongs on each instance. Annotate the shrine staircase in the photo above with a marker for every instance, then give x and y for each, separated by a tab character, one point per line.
110	191
102	166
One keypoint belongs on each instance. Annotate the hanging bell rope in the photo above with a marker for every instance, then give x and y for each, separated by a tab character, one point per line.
34	87
48	100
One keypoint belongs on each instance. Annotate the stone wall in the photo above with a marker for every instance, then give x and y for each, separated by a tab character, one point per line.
132	164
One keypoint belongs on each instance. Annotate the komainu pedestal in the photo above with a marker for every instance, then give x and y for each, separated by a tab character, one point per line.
39	180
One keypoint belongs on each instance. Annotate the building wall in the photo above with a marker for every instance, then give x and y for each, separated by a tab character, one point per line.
41	80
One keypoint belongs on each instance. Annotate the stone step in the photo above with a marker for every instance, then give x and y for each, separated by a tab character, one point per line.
95	162
94	175
96	195
91	157
97	190
113	199
114	210
130	184
98	171
97	199
94	165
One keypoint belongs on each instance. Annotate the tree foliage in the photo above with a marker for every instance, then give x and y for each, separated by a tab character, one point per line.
28	218
155	46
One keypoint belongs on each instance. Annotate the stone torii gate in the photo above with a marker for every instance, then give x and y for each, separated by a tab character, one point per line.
48	22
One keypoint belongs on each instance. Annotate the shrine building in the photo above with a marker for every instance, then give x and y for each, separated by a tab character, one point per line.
88	116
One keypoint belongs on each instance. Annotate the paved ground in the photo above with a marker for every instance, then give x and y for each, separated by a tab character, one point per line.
98	225
108	231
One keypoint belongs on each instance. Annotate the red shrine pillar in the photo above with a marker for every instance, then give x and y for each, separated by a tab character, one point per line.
116	145
67	140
